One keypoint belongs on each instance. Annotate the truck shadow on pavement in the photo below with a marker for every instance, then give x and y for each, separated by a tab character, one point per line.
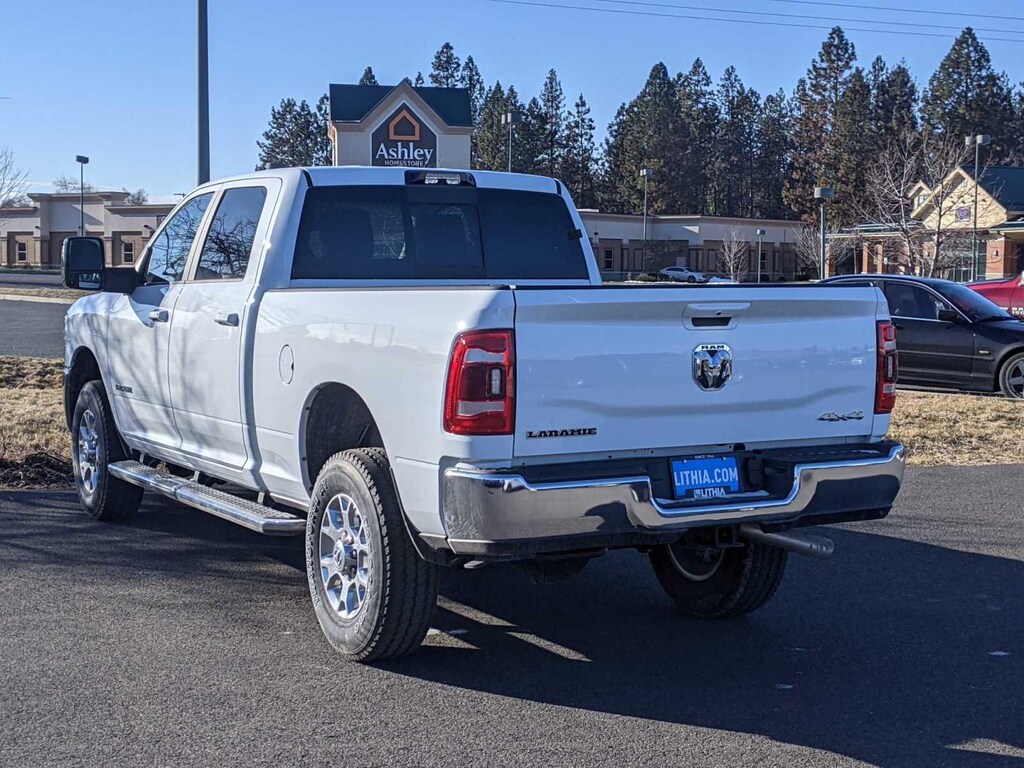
894	652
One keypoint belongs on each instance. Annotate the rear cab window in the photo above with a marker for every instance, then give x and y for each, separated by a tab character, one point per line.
434	233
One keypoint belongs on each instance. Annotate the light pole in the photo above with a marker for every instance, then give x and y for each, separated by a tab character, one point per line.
510	118
203	88
823	194
760	233
979	140
82	161
645	174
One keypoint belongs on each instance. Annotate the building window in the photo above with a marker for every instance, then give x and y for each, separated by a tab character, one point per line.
693	258
775	261
625	259
609	259
127	252
638	259
712	259
21	249
764	261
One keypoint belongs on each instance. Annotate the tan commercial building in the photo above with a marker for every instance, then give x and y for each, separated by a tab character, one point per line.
697	242
31	236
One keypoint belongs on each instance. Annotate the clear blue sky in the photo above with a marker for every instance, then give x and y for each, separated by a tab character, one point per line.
115	79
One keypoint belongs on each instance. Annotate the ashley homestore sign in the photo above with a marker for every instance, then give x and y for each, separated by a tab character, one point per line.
404	139
401	125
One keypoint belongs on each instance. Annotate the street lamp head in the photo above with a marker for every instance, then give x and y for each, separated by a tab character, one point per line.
981	140
646	173
824	193
984	140
761	233
510	118
82	159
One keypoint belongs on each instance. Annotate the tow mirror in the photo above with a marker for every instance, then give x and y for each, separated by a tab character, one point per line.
949	316
83	267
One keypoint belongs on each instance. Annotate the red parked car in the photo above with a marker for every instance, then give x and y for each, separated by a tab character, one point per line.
1007	293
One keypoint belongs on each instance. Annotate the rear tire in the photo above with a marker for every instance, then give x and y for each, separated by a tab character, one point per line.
1011	376
95	445
720	583
373	594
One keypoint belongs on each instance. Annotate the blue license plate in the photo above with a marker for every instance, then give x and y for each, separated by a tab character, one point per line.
709	477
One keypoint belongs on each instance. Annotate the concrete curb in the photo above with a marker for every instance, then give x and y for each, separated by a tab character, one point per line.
38	299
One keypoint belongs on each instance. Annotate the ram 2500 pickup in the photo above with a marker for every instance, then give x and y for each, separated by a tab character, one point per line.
416	369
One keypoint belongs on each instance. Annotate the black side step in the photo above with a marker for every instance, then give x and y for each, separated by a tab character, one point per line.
248	514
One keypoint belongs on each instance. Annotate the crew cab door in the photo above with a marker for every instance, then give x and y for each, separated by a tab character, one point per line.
139	327
206	364
931	350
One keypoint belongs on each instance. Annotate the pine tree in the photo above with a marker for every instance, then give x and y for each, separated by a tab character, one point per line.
446	68
491	136
893	102
471	79
646	133
296	135
530	137
368	77
579	161
418	80
854	147
552	103
736	147
966	96
817	97
772	157
699	111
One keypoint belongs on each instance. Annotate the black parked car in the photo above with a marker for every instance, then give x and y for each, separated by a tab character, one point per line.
949	336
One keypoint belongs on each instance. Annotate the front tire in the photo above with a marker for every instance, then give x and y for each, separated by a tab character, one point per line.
1011	376
95	445
373	594
719	583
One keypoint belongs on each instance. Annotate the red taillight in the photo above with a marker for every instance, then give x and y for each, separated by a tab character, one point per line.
887	368
479	395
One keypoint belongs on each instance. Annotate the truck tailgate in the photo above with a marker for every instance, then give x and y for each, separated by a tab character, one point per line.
612	369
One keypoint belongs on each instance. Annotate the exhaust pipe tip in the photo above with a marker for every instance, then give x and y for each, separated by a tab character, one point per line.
818	547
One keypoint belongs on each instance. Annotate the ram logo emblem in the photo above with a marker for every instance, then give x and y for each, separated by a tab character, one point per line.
712	365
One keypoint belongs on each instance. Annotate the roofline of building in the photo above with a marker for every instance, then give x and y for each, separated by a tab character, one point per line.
75	196
697	217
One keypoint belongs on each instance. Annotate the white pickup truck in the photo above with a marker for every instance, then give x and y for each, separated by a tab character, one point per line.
418	369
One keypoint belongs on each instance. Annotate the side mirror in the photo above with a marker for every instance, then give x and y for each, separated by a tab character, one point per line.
83	267
949	316
82	263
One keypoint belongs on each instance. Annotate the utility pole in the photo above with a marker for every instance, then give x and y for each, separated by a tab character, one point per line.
979	141
510	118
823	194
645	174
203	87
760	233
82	161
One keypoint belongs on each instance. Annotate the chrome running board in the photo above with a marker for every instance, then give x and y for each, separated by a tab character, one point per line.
248	514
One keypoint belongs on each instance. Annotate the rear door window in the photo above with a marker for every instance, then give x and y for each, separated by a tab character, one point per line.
393	232
228	245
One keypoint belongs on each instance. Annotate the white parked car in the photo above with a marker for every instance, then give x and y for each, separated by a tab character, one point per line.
682	275
415	369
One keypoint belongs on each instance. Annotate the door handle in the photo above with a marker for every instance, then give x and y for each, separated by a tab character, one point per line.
159	315
226	318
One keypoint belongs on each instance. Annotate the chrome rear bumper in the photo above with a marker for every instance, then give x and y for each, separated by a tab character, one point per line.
485	508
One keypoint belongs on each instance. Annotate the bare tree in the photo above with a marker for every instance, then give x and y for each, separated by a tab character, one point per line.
138	197
735	258
942	240
65	184
807	254
13	181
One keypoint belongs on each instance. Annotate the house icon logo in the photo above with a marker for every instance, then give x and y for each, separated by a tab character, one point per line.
404	127
404	139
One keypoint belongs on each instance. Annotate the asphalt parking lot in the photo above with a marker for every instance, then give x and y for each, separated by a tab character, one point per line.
181	639
32	328
29	280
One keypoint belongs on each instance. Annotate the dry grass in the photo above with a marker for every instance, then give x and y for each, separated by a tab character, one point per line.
937	429
959	429
47	293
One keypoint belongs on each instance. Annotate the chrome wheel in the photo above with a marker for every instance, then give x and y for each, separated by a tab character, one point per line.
1015	380
696	563
345	556
88	455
